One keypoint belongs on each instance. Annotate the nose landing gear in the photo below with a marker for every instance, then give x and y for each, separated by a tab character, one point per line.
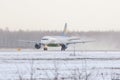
45	48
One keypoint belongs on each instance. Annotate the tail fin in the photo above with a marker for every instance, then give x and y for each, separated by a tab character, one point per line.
65	30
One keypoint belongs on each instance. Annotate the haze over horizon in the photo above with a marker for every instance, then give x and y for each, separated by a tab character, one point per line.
81	15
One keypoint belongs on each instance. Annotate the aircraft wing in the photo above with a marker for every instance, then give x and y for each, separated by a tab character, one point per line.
73	42
27	41
78	41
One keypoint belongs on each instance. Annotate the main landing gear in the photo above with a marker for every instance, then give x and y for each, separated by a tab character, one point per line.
63	47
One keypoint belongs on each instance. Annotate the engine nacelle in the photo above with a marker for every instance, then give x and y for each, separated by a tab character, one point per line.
37	45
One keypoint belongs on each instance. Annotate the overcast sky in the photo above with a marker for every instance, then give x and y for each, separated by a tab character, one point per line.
81	15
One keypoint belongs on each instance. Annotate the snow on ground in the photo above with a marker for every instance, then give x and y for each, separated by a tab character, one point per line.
61	65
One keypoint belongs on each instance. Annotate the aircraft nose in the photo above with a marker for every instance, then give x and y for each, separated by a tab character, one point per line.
44	41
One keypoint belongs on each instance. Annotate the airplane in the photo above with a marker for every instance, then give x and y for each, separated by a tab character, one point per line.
56	41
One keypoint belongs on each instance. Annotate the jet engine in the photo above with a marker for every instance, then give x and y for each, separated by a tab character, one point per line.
37	45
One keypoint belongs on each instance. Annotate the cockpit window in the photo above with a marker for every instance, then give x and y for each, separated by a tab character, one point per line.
45	39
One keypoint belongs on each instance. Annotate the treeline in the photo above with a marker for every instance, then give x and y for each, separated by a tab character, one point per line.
103	40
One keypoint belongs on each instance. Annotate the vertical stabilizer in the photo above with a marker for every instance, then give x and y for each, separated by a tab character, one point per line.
65	30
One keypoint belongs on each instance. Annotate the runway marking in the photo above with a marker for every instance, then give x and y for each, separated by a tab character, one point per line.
65	59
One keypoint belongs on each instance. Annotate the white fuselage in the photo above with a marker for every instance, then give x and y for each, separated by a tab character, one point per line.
56	39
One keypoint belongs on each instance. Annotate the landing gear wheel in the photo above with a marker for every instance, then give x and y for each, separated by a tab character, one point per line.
63	47
45	49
